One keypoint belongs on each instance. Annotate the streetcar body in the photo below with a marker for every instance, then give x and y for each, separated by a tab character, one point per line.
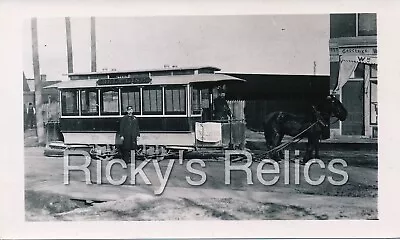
173	107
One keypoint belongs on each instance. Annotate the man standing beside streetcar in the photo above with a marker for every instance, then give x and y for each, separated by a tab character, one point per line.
129	131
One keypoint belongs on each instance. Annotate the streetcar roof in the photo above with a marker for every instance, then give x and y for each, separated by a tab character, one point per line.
145	70
155	80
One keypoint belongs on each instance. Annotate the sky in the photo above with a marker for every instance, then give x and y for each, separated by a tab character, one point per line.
275	44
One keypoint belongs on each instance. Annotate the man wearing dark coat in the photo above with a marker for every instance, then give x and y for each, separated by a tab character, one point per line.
129	132
221	108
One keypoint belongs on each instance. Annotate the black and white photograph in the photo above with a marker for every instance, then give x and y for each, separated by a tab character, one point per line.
199	120
271	117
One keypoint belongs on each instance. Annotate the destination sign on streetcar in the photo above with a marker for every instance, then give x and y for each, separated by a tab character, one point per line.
118	81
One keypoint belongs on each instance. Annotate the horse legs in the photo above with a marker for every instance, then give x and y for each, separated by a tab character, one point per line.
316	148
275	140
312	147
307	154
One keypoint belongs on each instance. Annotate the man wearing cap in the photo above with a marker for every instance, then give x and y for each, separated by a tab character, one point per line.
221	108
129	131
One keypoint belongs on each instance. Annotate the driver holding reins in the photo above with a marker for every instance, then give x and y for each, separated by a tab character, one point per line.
221	108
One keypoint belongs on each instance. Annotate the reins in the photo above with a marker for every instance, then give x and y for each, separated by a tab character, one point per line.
298	137
295	139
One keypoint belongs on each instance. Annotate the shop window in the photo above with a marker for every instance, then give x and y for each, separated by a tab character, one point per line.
374	102
109	102
131	97
152	100
69	103
367	24
346	25
359	71
175	100
342	25
89	102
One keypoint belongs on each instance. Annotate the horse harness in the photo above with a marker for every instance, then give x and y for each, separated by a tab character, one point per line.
298	137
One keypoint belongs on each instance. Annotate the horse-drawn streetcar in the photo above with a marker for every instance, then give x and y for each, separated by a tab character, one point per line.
174	107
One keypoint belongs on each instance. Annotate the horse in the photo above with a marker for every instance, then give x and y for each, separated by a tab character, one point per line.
310	125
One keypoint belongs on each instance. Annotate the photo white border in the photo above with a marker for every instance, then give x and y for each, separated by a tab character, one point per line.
12	218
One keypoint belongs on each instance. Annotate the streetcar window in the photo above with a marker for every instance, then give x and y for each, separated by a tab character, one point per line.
89	102
109	102
200	100
69	103
131	97
196	108
152	100
175	100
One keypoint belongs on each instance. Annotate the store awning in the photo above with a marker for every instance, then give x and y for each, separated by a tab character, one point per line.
347	66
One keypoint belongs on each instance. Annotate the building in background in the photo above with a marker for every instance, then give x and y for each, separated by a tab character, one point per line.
353	71
50	97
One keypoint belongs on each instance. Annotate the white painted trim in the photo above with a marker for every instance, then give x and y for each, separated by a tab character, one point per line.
141	100
79	102
146	138
99	99
163	99
60	103
188	100
119	102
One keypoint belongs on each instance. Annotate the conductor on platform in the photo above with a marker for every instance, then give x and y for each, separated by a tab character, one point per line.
221	108
129	131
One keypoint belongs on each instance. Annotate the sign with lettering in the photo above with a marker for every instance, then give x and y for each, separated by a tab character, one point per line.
126	80
361	59
208	132
358	51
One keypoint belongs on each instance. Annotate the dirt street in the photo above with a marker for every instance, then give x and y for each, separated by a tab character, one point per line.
47	198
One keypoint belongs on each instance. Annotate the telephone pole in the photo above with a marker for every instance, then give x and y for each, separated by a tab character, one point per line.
38	83
69	45
93	43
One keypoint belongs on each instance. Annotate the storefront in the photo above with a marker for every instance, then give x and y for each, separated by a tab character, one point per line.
354	80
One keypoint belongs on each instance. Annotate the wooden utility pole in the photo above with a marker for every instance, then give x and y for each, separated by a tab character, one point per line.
38	84
367	100
69	45
93	43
